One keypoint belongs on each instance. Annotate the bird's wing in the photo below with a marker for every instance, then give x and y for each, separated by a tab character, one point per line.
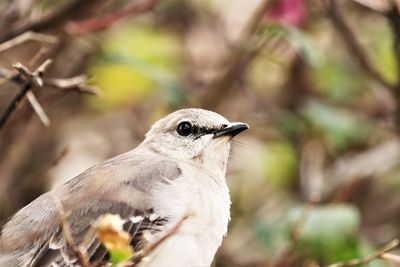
137	221
121	185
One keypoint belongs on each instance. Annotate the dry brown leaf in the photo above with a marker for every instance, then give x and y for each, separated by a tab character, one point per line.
111	233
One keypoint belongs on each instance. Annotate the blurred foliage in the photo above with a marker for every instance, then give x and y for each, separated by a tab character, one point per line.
293	79
329	232
338	127
135	62
280	162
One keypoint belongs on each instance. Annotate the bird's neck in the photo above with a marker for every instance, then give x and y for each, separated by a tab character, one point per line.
213	163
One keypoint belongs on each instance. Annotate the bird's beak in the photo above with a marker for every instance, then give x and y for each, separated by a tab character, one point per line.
231	129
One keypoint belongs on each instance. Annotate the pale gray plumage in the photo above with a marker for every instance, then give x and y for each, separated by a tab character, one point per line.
168	174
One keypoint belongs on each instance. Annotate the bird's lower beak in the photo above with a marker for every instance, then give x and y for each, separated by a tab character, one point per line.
231	129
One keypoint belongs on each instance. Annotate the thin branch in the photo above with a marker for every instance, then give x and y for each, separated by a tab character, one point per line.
376	255
27	36
296	232
77	83
390	257
78	250
393	17
38	108
14	103
34	77
29	80
140	255
237	60
353	45
108	20
372	162
51	19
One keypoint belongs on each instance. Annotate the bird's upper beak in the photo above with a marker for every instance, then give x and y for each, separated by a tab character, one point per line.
231	129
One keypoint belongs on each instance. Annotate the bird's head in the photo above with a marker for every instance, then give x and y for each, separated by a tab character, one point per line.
194	134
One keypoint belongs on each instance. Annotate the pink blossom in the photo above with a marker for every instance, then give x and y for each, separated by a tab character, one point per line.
287	12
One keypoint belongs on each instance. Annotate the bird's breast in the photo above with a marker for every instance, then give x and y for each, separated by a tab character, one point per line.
206	199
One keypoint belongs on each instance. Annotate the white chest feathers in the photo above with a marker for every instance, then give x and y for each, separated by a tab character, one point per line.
206	199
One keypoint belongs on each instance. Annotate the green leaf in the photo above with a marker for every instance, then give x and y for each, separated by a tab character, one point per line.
120	255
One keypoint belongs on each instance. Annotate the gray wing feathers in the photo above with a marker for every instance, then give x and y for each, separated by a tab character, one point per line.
121	185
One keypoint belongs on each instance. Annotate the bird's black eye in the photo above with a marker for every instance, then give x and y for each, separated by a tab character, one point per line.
185	128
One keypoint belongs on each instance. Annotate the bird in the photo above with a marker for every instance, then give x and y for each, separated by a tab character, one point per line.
178	168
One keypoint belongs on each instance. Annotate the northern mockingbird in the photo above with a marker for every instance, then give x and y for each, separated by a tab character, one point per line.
179	167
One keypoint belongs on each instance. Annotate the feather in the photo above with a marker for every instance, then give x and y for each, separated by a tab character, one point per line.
115	186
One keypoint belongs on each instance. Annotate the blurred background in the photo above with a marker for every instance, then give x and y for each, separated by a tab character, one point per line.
316	180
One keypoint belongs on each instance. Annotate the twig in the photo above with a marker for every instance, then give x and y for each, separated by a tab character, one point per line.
376	255
78	250
311	169
28	80
355	48
393	17
353	44
376	160
77	83
31	96
390	257
38	108
45	38
106	21
140	255
35	76
14	103
12	11
51	19
31	78
296	232
298	228
220	86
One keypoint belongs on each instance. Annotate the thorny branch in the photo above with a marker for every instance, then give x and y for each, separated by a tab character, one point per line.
30	79
13	104
27	80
